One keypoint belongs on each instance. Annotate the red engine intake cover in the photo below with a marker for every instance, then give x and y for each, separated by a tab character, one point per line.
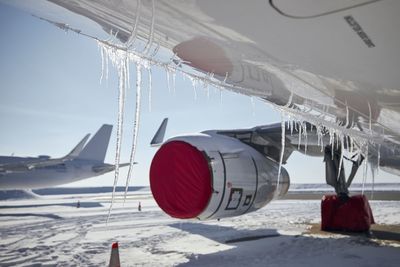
180	180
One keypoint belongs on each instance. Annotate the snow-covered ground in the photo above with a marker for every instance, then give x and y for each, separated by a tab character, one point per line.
52	231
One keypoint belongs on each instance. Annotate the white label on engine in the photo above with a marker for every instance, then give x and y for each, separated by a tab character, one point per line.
234	198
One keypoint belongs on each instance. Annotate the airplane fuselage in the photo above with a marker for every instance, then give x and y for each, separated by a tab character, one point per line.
53	175
82	162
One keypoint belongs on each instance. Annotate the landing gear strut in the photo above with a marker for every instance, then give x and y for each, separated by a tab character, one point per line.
335	177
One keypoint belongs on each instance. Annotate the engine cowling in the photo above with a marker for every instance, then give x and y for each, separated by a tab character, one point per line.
210	176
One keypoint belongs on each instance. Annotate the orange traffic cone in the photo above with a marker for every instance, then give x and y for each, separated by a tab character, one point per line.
114	259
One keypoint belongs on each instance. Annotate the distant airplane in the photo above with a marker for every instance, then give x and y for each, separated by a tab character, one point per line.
38	172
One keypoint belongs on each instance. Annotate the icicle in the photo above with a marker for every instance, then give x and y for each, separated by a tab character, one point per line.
150	86
114	38
283	138
168	79
193	80
121	67
323	133
151	37
102	63
373	181
253	106
337	140
347	117
226	77
370	118
341	137
135	126
106	69
305	137
173	81
289	101
291	126
365	169
349	144
377	171
208	77
332	143
127	71
133	36
320	137
379	158
299	133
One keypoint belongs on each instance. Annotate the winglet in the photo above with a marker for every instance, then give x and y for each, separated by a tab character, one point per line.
158	138
78	148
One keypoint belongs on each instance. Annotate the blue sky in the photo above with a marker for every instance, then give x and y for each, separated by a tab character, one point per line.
50	97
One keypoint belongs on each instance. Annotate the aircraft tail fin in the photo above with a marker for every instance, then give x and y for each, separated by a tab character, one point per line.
78	148
96	148
158	138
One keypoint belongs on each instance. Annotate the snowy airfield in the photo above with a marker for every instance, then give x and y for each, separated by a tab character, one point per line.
52	231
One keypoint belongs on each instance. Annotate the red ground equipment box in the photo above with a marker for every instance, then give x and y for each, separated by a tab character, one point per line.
352	214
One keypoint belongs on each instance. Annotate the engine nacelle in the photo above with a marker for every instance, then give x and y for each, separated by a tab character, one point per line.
210	176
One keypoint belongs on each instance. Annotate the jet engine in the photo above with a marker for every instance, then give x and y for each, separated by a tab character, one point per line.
212	176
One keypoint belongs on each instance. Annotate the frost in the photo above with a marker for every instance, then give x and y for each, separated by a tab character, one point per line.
133	35
151	34
326	127
155	50
120	55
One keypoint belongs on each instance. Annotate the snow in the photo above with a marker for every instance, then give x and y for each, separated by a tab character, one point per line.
51	231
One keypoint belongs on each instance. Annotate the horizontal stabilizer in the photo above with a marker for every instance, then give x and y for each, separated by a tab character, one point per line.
96	148
108	167
158	138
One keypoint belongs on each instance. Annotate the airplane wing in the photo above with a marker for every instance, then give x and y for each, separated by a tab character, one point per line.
326	63
267	139
331	64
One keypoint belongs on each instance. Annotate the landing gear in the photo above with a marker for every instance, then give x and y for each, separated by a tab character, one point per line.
341	212
335	177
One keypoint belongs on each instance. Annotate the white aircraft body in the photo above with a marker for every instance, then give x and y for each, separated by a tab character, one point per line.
84	161
331	65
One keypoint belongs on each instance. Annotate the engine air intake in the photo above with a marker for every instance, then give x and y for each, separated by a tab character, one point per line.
180	180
